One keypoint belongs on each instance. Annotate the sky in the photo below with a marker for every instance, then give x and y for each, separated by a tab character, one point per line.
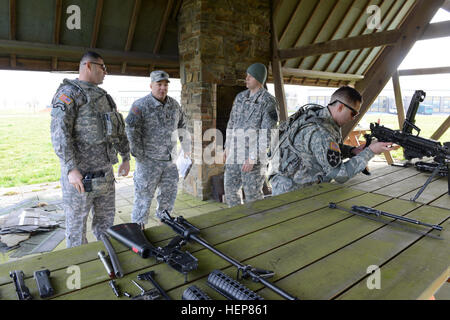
25	89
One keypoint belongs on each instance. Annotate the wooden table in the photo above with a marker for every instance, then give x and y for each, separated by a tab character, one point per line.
316	252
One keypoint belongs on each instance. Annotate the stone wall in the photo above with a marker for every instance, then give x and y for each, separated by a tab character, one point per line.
218	40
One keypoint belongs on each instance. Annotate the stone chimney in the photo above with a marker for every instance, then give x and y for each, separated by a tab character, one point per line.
218	40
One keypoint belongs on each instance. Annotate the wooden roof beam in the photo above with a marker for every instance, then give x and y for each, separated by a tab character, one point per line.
388	61
56	30
436	30
433	30
321	74
64	51
277	73
294	13
351	43
162	29
97	20
12	29
423	71
131	29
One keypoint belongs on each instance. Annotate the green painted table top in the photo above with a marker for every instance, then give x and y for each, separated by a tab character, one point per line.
315	252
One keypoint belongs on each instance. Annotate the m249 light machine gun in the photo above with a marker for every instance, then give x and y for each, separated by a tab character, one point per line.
191	233
413	145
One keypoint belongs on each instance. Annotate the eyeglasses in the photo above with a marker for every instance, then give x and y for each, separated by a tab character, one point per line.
99	64
354	112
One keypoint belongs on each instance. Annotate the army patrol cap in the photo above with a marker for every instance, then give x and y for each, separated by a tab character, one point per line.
159	75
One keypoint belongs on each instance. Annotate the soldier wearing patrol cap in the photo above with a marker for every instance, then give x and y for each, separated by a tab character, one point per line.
310	148
87	132
150	124
254	114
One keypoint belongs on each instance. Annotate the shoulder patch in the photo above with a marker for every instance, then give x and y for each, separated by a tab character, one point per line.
65	99
135	110
333	157
334	146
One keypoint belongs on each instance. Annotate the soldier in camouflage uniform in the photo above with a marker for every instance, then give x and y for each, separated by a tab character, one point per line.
310	149
150	124
87	132
253	116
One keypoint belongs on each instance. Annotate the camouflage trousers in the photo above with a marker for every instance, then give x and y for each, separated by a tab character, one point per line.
251	182
281	184
77	207
151	176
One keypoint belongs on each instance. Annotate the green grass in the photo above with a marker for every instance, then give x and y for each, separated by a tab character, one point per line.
27	156
26	152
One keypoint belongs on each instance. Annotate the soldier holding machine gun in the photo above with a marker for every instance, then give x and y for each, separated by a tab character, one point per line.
413	145
310	148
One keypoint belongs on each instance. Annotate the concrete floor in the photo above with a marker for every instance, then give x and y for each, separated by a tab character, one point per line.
50	193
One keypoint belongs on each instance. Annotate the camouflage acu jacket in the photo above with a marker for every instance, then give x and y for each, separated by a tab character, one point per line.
150	125
248	116
311	150
78	129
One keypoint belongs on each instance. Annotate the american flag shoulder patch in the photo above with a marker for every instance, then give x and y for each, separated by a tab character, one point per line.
334	146
65	99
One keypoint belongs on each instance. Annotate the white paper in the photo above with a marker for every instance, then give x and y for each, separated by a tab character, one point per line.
183	165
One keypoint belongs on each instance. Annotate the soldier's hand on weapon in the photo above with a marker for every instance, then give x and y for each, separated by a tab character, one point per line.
75	179
358	149
124	168
380	147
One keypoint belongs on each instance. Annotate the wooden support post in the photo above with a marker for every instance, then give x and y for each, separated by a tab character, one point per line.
441	130
276	68
398	99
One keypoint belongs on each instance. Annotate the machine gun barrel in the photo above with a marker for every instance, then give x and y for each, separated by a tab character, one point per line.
190	232
368	210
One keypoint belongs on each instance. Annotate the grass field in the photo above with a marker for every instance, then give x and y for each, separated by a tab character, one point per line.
27	157
26	152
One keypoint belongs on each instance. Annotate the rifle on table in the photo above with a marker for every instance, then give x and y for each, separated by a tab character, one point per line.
375	215
189	232
413	145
